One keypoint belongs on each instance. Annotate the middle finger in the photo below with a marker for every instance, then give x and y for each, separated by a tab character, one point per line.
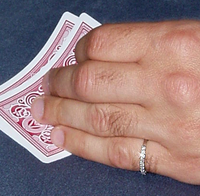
103	82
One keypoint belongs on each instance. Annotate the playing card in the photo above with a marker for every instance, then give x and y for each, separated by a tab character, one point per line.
49	50
15	117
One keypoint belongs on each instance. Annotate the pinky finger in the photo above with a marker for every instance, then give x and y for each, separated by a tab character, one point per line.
120	152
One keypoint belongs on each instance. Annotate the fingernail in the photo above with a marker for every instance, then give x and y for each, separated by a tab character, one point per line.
57	137
37	108
45	84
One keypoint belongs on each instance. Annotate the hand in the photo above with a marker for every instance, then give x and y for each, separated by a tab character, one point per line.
132	82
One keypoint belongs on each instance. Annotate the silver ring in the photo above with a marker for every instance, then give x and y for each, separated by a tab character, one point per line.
142	158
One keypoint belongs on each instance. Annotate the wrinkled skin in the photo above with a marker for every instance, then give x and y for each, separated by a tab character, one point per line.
133	82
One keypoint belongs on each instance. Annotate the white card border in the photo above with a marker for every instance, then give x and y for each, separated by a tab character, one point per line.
8	129
25	70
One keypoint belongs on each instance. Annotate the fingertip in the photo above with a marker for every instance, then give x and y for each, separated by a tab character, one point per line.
58	137
37	108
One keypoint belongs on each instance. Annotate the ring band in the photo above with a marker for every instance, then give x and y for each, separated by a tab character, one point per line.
142	158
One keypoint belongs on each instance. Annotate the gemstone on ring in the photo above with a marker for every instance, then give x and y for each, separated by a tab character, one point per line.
142	158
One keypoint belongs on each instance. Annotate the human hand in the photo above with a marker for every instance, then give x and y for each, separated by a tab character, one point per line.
132	82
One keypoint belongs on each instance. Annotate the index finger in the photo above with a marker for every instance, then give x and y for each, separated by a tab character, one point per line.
116	42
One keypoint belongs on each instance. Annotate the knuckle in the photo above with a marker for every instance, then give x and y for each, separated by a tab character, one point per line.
181	89
110	120
81	81
188	134
95	42
182	39
107	76
60	116
99	119
120	155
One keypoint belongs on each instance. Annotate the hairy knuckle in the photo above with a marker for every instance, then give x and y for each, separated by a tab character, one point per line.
116	124
120	123
119	154
110	120
181	89
99	119
104	76
110	76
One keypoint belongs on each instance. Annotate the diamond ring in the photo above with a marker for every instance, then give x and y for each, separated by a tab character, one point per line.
142	158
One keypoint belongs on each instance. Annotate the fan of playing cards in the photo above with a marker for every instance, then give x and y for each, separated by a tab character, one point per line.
17	94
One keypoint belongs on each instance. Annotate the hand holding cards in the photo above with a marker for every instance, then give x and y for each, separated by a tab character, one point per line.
17	94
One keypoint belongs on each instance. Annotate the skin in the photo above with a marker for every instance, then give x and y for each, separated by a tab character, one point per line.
132	82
